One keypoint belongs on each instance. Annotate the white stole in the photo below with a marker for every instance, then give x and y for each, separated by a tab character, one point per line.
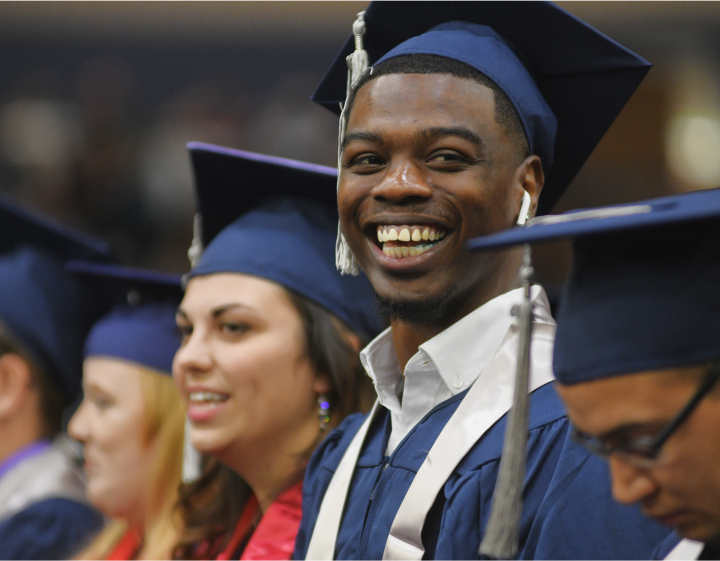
685	550
487	401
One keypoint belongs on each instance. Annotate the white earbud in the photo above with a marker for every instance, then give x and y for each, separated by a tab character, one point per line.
524	209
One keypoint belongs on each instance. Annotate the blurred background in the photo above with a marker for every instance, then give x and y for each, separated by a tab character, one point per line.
97	101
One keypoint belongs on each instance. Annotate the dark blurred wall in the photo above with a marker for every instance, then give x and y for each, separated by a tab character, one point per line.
98	99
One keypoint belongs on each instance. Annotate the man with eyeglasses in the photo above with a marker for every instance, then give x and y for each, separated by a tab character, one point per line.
637	354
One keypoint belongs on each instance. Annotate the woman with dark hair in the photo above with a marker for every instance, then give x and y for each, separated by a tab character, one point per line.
269	354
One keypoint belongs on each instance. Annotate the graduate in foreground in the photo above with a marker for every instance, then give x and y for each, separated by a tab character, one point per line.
472	117
268	362
131	419
637	354
45	314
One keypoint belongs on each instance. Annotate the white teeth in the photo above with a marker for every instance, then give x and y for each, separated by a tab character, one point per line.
197	397
399	252
407	234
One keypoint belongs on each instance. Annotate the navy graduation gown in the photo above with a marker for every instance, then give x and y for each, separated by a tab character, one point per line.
55	528
568	512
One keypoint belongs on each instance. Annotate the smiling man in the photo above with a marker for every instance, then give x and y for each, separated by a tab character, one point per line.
637	354
473	117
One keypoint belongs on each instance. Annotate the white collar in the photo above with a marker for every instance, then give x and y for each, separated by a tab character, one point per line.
459	354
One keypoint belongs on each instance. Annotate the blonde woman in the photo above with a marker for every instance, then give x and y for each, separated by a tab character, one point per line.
130	421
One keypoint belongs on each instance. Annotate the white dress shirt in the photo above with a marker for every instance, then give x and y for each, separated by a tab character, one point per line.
444	366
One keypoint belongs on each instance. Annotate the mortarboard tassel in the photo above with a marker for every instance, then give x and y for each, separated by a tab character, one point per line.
191	457
357	63
503	528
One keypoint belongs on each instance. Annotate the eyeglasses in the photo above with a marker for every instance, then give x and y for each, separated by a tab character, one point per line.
645	452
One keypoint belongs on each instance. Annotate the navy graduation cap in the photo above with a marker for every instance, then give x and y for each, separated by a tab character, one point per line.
566	80
276	218
140	328
43	309
643	291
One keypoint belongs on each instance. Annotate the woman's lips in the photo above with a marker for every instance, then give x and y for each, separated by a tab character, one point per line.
203	405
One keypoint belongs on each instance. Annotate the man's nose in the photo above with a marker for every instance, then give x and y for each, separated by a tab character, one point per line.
403	183
630	483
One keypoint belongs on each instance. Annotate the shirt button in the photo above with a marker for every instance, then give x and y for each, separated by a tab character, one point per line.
457	384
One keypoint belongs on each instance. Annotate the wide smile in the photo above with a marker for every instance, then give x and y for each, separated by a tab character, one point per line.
400	246
203	405
400	242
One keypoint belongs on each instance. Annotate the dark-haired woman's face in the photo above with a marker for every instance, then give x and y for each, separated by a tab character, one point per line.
242	369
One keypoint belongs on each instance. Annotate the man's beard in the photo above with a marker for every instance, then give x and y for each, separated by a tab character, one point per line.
428	311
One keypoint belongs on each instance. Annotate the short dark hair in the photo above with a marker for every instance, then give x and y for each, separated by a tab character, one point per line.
505	113
52	400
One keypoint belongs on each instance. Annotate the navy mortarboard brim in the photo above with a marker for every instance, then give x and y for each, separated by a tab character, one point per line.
19	226
277	219
237	188
141	327
43	309
615	218
642	294
584	77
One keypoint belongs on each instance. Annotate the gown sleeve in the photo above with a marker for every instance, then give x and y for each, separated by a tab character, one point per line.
51	529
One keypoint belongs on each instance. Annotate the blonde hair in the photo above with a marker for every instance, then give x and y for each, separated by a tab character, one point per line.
163	428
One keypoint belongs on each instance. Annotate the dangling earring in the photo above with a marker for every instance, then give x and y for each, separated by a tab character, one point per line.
323	411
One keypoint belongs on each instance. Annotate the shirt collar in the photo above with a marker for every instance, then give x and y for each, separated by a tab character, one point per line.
459	354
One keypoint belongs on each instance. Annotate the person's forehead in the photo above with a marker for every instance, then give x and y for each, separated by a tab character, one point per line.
417	98
604	404
204	294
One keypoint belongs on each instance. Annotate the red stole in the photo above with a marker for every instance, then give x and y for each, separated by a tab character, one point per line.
274	537
126	548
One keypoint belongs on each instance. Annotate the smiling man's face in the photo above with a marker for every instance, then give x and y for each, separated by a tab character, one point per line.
426	167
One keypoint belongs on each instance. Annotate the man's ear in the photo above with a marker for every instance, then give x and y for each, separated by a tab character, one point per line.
531	179
15	384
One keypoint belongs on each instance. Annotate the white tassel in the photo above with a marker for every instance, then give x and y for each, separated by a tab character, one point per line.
196	246
357	63
191	458
502	532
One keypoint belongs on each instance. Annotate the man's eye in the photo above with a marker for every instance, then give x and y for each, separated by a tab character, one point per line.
447	158
367	160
